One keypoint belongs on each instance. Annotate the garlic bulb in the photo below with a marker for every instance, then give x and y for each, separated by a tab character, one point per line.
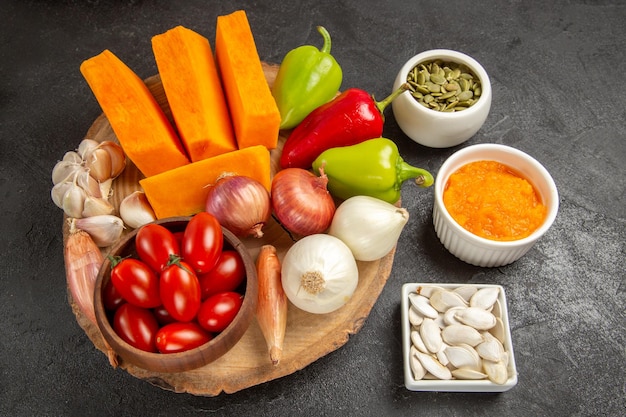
104	229
136	211
319	274
370	227
83	178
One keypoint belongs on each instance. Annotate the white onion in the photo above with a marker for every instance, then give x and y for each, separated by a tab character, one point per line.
319	274
370	227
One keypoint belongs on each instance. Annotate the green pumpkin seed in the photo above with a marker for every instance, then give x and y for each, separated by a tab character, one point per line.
444	86
434	88
438	79
447	95
466	95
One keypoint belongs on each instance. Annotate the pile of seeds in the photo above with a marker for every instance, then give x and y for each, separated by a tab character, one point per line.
457	334
444	86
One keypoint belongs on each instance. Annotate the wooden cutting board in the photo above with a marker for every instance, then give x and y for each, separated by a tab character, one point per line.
308	336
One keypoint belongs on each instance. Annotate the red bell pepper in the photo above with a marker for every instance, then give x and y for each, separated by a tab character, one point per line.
350	118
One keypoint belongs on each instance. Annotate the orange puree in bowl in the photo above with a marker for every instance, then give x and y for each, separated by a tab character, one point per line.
491	200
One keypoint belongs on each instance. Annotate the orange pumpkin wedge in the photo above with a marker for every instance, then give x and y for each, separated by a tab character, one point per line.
183	191
255	116
194	92
143	130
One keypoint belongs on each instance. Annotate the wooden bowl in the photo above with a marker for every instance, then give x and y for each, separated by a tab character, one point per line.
193	358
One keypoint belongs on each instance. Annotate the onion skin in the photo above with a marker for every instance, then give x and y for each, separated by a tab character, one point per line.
301	201
272	303
241	204
82	263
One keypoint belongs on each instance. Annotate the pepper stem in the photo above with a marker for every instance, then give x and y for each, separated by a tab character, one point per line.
405	171
381	105
326	47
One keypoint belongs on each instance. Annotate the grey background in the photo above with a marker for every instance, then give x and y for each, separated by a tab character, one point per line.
557	70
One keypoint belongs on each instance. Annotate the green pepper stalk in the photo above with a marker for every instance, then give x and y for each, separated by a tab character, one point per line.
373	167
306	79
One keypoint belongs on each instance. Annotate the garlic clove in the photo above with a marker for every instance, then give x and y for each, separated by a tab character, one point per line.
86	146
136	211
106	188
72	156
64	171
95	206
118	158
98	162
74	201
58	191
105	229
88	183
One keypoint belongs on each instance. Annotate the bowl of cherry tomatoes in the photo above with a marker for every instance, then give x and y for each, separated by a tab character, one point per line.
176	294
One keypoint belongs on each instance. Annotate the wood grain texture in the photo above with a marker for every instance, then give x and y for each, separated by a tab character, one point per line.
308	336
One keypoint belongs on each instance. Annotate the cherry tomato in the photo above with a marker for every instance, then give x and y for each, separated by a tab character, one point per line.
155	244
162	316
219	310
111	297
179	337
227	275
136	282
180	291
179	237
137	326
203	242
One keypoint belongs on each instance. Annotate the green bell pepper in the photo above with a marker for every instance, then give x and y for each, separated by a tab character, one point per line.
373	167
306	79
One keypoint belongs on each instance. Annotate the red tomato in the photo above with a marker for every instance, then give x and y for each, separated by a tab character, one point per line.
227	275
203	242
180	291
111	297
179	237
137	326
162	316
179	337
136	282
155	244
219	310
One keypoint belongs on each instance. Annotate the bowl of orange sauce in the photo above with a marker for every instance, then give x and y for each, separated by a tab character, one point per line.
492	203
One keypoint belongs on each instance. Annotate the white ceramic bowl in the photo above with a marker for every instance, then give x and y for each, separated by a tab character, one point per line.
434	128
456	385
474	249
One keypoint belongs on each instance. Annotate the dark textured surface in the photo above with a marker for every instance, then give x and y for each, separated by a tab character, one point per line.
557	73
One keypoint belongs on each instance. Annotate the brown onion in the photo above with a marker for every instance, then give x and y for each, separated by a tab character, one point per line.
241	204
301	201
